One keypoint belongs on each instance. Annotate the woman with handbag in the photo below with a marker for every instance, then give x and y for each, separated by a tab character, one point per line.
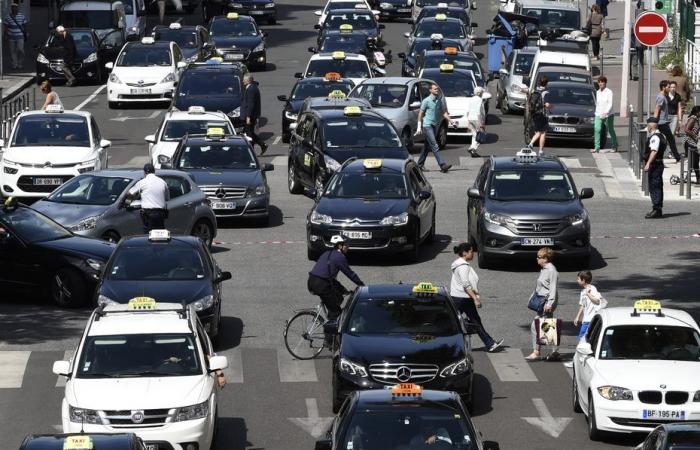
594	28
476	118
692	128
544	301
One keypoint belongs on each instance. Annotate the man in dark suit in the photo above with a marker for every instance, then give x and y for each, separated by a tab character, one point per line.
250	110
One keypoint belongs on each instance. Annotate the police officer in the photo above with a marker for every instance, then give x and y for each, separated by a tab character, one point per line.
154	195
654	166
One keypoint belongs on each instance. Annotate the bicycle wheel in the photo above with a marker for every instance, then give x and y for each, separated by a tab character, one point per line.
303	335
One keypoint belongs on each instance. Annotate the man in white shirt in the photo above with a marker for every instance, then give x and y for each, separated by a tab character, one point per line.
475	118
154	195
604	115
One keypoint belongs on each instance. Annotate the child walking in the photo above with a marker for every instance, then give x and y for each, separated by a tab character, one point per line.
590	302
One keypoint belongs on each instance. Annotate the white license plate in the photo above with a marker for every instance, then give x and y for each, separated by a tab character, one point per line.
536	241
47	181
223	205
233	57
357	234
140	91
403	10
151	446
564	130
652	414
257	13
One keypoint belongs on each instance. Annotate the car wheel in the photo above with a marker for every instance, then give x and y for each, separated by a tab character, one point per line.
594	433
67	288
576	405
111	236
431	234
526	134
311	254
484	261
407	139
203	230
442	137
293	182
414	253
337	400
285	138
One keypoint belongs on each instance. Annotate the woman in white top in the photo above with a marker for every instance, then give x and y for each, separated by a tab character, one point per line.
476	118
51	95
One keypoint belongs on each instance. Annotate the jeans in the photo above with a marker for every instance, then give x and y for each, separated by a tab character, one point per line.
595	43
467	306
656	185
598	126
16	53
673	122
665	129
430	145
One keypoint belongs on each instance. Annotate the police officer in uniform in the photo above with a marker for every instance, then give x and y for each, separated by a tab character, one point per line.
654	166
154	195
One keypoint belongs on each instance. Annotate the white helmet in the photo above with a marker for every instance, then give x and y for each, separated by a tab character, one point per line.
338	239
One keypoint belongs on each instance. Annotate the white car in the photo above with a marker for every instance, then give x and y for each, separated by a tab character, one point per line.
176	124
637	368
145	71
145	368
348	65
47	148
342	4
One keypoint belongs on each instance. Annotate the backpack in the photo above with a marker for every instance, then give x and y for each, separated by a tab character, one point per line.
535	103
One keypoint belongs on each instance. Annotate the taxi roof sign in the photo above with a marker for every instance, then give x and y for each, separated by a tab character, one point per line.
337	94
159	235
424	287
196	110
374	163
345	28
54	109
526	155
175	26
338	55
406	390
332	76
442	5
360	6
232	15
436	37
148	40
141	304
451	50
352	111
647	306
441	17
214	133
447	68
81	442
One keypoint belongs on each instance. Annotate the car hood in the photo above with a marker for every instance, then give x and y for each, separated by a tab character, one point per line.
165	148
171	291
559	109
151	74
242	42
542	210
54	53
649	374
214	102
53	155
242	177
295	105
400	348
392	113
343	154
456	103
357	208
81	246
68	214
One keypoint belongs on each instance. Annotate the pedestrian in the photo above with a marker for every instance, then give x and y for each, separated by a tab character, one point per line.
604	117
250	110
51	95
594	27
476	118
675	108
154	194
661	113
431	110
65	41
464	290
537	105
682	84
16	35
654	166
161	8
692	128
602	7
545	288
590	302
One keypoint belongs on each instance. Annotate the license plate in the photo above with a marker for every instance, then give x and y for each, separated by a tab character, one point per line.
564	130
223	205
403	10
257	13
140	91
536	241
233	57
151	446
357	234
652	414
47	181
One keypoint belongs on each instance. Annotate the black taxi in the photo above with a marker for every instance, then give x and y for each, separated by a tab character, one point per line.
401	333
323	140
238	38
380	205
106	441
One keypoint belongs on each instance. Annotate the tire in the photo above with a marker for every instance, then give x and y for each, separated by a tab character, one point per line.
311	254
337	401
67	288
407	139
575	403
484	261
431	234
110	236
293	183
414	253
203	230
304	331
112	105
441	137
505	109
594	433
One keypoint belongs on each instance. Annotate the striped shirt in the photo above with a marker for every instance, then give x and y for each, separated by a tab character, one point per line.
14	25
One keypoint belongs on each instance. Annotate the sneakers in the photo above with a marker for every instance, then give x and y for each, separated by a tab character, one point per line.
445	167
263	149
654	214
495	346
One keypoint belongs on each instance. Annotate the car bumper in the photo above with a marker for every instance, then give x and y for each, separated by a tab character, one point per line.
257	14
628	416
572	241
249	207
257	59
461	129
81	71
571	132
120	92
25	183
516	101
395	13
384	238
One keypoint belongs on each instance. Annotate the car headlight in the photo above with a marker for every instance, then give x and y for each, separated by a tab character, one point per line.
198	411
9	170
113	78
318	219
235	113
87	166
401	219
351	368
257	190
260	47
696	397
615	393
104	300
386	6
81	415
41	59
331	164
169	78
203	303
290	115
270	5
456	368
497	219
86	224
577	219
192	58
92	57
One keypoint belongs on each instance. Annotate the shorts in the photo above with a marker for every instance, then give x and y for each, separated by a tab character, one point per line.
582	331
539	122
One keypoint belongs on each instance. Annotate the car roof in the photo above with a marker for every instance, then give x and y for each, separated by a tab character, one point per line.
544	67
336	103
429	8
329	55
201	65
527	50
392	290
139	322
330	114
681	427
157	44
433	19
321	79
357	165
351	10
548	4
37	112
622	315
377	397
569	84
135	173
198	139
510	162
176	114
55	441
391	80
436	71
182	28
241	18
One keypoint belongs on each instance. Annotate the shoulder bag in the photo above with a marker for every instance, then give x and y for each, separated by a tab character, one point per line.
536	303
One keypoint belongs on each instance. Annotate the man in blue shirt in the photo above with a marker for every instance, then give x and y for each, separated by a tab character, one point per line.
432	110
16	34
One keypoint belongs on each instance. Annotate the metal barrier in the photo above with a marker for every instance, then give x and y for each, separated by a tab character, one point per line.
635	156
12	107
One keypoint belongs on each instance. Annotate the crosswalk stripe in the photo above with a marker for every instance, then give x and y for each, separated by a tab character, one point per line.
571	163
234	372
510	365
294	370
13	365
67	355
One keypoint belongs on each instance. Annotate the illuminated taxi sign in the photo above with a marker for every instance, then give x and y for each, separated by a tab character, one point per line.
54	109
451	51
159	235
406	390
447	68
646	306
332	76
78	443
352	111
232	16
360	6
215	60
526	155
337	94
215	133
10	203
372	164
345	28
338	55
442	5
196	110
148	40
425	288
441	17
175	26
141	304
436	37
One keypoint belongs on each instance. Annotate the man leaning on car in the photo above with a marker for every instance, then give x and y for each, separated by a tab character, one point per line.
154	195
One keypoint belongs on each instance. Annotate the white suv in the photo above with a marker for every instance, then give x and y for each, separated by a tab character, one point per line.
145	368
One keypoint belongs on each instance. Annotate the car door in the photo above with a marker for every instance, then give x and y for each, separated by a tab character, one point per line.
297	159
20	265
180	205
423	207
102	156
310	161
413	107
476	205
587	363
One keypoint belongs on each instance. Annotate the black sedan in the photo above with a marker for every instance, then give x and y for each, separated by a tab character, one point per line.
401	333
394	9
102	441
408	68
257	9
238	38
37	254
379	205
171	269
193	40
457	12
673	436
360	19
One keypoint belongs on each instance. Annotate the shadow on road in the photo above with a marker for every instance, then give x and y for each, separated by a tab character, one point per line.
230	334
483	394
232	434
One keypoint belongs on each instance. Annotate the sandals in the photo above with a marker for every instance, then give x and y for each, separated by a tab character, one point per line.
533	357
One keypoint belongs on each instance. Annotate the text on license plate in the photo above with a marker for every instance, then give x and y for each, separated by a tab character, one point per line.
357	234
663	414
47	181
256	13
536	241
233	56
564	130
140	91
223	205
151	446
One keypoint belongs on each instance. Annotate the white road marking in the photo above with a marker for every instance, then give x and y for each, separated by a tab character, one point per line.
510	365
571	163
91	97
277	140
67	355
121	118
570	371
13	364
313	424
279	160
294	370
550	425
234	372
650	30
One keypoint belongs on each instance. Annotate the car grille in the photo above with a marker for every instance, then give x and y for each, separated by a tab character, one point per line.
26	183
56	66
152	418
355	222
140	84
676	397
53	166
536	227
224	192
651	397
642	423
564	119
415	373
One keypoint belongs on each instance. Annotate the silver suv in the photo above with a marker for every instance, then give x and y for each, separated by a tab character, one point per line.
511	94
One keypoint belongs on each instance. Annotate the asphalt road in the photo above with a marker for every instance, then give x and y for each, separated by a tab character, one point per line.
273	402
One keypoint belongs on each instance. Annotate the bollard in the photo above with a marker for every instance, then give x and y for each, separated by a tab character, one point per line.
691	159
681	183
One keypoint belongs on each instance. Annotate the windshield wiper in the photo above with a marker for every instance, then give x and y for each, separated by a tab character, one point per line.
147	373
98	374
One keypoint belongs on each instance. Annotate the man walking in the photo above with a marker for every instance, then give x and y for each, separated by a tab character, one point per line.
250	110
661	113
154	195
16	35
537	106
431	110
654	166
65	40
476	117
604	115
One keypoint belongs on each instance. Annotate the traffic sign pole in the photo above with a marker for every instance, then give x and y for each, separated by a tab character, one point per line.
650	29
626	58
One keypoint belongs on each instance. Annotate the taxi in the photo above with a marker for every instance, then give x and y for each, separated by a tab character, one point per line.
457	12
47	148
237	38
380	205
333	5
451	55
418	6
146	366
448	27
436	41
359	18
401	333
335	100
96	441
394	9
403	416
257	9
345	39
193	40
637	368
145	71
349	65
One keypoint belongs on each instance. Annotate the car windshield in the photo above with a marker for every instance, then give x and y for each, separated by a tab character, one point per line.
554	18
651	342
347	68
32	226
360	132
82	39
455	84
523	63
350	43
563	76
216	157
184	39
530	185
233	28
144	56
422	3
334	6
367	185
90	190
173	260
459	62
383	95
413	315
450	13
176	129
304	90
570	96
210	84
451	29
359	21
51	130
98	20
139	355
426	44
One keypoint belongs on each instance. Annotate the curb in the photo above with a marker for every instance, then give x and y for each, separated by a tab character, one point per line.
17	88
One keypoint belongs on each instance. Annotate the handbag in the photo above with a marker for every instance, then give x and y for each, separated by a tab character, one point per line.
481	137
536	303
548	331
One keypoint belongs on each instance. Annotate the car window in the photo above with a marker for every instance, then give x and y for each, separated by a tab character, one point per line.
382	95
204	342
359	21
209	84
482	177
34	227
415	93
65	130
359	132
90	189
144	56
530	185
174	261
177	186
233	28
430	316
184	39
523	63
593	332
651	342
450	30
176	129
414	184
367	185
216	156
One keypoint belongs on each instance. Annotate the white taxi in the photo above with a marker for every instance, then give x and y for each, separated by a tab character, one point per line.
348	65
47	148
145	71
176	124
145	368
637	368
343	4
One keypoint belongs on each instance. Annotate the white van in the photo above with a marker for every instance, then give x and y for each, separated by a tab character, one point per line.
565	52
101	15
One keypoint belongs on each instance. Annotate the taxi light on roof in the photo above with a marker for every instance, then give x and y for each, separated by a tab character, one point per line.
196	110
81	442
406	390
148	40
232	15
54	109
447	68
646	305
215	132
352	111
159	235
360	6
337	94
440	17
372	163
442	5
215	60
10	203
436	37
338	55
141	304
526	155
175	26
451	51
332	76
424	287
345	28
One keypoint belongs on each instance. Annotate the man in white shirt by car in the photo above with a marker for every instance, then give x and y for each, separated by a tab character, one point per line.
154	195
475	118
604	115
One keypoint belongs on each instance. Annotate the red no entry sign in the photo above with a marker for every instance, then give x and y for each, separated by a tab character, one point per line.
650	29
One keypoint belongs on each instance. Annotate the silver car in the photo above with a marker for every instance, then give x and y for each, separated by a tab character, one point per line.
94	204
511	94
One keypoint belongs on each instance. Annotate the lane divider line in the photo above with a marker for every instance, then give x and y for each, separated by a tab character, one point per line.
91	97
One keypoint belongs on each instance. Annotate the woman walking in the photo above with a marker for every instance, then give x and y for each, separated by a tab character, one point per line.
51	95
546	288
595	29
675	108
692	128
464	290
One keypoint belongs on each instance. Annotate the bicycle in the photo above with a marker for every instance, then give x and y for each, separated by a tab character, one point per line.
306	327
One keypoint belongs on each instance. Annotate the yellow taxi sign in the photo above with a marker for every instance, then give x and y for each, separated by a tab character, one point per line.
345	28
406	390
141	303
352	111
337	94
232	15
372	163
647	305
78	443
158	235
447	68
424	287
211	132
441	17
338	55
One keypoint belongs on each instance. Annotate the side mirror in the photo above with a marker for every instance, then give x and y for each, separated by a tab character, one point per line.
181	64
318	12
109	65
503	71
267	167
584	348
474	193
473	7
151	139
298	75
586	193
424	195
217	363
163	159
104	143
282	98
407	34
292	126
317	27
379	71
61	368
223	277
401	55
414	105
311	193
323	444
312	49
382	26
